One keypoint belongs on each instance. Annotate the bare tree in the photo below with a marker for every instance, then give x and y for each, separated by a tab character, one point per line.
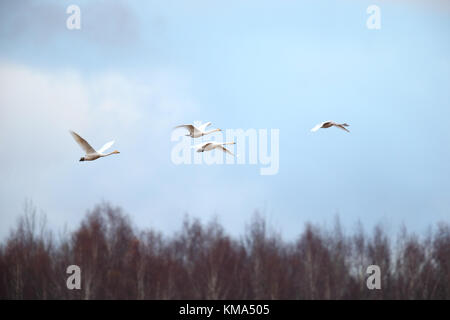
201	261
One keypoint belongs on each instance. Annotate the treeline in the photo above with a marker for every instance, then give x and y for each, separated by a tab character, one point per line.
118	261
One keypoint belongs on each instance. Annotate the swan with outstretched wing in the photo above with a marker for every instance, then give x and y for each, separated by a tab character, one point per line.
328	124
91	154
197	131
208	146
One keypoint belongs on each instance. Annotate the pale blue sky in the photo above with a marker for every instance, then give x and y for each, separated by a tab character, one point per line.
137	68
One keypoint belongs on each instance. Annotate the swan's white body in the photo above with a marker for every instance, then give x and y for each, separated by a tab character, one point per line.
328	124
197	132
208	146
91	154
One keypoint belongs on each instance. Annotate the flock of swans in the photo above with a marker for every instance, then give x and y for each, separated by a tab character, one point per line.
194	132
200	131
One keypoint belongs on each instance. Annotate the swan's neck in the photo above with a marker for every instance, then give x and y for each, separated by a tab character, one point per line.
211	131
108	154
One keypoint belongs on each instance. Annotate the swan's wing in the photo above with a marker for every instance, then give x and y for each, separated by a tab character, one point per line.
200	146
317	127
204	126
342	127
207	144
106	147
83	143
226	150
189	127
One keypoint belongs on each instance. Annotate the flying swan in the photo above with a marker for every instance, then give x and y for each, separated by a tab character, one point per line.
91	154
328	124
208	146
197	132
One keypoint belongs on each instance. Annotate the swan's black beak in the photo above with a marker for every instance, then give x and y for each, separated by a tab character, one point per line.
81	159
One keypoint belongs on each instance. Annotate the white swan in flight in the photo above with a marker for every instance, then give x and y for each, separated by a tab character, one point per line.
208	146
197	132
91	154
328	124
